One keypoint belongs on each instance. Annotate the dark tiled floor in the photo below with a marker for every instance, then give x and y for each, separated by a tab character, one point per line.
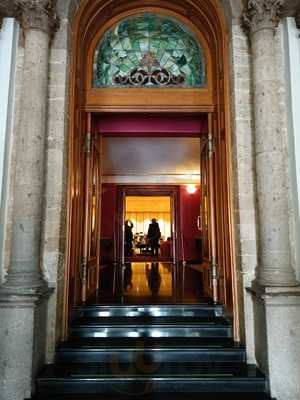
150	283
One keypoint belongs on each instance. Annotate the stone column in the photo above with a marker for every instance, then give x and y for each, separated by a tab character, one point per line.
23	305
37	20
275	292
260	20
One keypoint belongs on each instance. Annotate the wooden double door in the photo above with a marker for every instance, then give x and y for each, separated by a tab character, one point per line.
210	222
90	265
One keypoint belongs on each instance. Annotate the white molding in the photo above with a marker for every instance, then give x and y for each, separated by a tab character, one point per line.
175	179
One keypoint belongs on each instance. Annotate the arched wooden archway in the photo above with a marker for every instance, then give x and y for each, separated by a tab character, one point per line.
205	19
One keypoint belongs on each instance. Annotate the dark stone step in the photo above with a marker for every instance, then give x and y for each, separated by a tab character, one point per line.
153	378
196	331
146	320
151	353
135	351
200	310
148	342
161	396
151	327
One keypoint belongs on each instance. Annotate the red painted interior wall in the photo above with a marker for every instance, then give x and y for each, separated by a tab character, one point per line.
108	210
155	125
189	211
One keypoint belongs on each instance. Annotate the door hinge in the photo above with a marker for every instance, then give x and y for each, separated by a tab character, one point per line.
211	145
87	145
214	272
83	270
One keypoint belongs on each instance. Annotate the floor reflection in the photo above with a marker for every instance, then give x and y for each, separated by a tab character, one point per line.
147	279
150	283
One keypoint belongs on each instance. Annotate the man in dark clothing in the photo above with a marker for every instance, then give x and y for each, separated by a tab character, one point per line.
128	238
154	236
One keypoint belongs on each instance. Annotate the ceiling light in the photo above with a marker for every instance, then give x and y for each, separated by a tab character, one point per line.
191	189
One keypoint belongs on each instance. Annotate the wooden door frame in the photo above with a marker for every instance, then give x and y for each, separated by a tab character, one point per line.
207	21
171	191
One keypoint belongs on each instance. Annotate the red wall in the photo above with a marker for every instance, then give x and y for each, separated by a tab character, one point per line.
155	125
108	212
189	211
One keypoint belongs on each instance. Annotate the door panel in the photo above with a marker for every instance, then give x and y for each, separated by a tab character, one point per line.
92	215
224	232
76	199
95	218
208	213
204	218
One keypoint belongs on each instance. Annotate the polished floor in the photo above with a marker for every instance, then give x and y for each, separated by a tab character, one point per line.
150	283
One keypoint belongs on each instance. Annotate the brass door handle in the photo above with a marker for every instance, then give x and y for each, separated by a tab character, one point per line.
199	222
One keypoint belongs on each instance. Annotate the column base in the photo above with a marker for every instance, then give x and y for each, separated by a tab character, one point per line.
277	338
9	291
270	279
23	328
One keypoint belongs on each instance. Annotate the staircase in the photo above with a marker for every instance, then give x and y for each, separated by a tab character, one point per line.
176	352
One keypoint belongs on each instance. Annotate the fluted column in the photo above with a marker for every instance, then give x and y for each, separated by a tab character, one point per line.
260	20
38	21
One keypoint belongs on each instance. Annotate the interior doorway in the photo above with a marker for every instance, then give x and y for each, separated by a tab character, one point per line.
161	168
174	275
144	241
172	197
157	240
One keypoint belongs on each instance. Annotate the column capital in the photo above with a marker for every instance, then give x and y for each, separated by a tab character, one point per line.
261	14
37	14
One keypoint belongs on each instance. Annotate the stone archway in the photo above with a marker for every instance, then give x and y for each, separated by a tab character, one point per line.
204	16
55	221
61	46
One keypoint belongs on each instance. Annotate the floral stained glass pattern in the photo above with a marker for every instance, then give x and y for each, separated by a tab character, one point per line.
149	50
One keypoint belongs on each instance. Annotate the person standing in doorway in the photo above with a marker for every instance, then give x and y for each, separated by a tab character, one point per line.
154	236
128	238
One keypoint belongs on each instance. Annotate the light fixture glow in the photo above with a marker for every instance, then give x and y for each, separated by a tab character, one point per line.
191	189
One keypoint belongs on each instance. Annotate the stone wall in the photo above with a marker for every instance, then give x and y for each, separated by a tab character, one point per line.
54	219
244	179
56	180
55	213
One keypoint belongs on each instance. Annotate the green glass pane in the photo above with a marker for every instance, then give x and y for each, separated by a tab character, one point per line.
150	44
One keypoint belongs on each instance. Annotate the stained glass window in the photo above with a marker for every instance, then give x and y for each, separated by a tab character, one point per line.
149	50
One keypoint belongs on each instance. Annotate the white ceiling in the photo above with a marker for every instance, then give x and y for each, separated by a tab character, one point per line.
168	158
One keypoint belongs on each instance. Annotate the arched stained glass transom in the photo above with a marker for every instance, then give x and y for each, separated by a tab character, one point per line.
149	50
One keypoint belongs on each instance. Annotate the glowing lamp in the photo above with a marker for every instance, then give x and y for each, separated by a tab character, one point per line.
191	189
